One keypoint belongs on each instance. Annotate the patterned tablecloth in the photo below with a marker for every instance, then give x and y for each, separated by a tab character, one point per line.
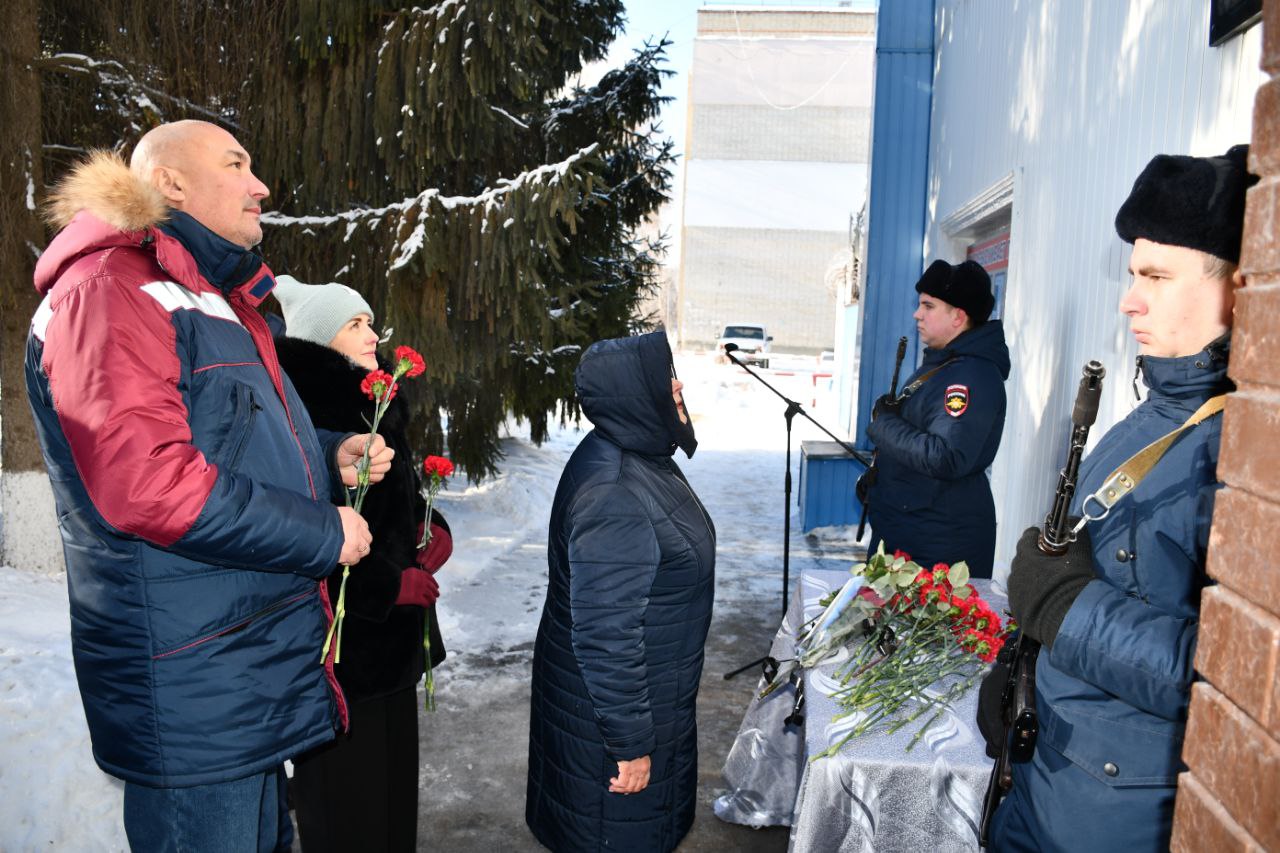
871	796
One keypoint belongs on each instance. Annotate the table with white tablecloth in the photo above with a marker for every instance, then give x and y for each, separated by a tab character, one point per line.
872	795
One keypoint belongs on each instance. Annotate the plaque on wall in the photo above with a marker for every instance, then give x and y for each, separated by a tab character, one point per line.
1228	18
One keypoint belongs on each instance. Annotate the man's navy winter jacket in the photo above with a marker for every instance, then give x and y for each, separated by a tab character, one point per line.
192	493
618	658
1112	693
932	498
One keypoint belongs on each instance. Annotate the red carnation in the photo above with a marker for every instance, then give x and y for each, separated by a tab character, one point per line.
409	362
871	596
379	385
437	466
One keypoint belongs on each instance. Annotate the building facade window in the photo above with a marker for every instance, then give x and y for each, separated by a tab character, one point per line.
993	254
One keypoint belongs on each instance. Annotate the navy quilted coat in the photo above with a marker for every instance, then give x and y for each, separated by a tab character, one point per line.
631	557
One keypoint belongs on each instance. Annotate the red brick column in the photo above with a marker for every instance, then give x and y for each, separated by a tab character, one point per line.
1230	799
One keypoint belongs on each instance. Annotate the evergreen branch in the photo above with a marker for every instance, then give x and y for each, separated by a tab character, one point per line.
549	172
114	74
640	70
514	120
655	166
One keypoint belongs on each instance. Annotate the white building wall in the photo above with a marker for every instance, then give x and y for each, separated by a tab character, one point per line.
1070	100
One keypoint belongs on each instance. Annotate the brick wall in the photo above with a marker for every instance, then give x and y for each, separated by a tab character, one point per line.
1230	799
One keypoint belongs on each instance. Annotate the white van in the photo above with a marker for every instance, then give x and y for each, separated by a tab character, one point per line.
752	340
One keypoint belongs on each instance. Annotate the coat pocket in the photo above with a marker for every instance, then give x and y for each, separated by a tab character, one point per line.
247	409
223	419
1118	752
233	627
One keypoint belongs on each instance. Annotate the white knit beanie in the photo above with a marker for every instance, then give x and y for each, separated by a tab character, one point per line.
317	312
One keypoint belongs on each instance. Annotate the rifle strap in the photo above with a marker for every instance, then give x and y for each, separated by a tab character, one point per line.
1134	470
902	397
873	468
923	378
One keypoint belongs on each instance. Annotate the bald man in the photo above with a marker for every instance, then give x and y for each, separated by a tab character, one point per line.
193	494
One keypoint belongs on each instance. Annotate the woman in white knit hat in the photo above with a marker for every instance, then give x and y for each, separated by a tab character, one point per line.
360	792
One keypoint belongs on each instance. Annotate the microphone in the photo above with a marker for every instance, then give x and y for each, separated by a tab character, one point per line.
730	347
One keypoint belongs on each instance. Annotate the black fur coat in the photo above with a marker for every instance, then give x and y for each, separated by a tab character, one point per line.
381	641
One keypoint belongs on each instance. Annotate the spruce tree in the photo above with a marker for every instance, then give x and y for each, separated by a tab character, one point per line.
435	158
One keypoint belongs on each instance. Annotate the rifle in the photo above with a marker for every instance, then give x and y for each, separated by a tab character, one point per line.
1018	699
869	476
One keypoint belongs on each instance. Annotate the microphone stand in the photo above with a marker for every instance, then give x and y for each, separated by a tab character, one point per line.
793	409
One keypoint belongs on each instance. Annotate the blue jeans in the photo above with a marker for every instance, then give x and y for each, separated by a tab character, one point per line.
232	817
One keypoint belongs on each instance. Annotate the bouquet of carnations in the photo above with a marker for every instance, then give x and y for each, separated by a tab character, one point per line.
380	387
917	639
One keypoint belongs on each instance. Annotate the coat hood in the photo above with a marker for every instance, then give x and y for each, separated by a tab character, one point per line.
105	186
100	204
985	342
624	386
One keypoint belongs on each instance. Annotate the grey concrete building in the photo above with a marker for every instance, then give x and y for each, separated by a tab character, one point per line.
776	152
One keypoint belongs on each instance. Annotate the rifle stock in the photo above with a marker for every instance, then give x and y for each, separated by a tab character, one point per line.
1018	699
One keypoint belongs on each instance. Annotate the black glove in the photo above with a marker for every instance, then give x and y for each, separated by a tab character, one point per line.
991	701
862	488
887	404
1042	588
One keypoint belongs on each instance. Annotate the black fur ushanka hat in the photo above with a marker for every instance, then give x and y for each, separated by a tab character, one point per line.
965	285
1195	202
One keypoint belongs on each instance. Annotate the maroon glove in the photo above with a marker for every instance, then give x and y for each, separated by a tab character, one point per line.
417	587
437	551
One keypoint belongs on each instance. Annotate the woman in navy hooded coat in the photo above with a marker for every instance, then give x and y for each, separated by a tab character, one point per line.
613	756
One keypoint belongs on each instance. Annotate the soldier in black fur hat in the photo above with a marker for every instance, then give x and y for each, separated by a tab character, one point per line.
1117	616
934	440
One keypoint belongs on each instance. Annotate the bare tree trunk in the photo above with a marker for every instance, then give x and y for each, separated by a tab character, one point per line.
21	234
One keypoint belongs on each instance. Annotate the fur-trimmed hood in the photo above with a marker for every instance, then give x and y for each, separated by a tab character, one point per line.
99	205
105	186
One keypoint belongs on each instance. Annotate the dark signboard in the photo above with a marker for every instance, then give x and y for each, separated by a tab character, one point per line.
1229	17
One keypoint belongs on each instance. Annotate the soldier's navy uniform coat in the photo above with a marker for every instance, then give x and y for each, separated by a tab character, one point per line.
1112	693
932	498
1114	689
618	658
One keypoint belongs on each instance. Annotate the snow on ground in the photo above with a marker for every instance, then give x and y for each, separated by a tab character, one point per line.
52	795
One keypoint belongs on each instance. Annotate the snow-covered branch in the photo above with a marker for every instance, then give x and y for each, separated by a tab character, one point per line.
115	75
514	120
489	198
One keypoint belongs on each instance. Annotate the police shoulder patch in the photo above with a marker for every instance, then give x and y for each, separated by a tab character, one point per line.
956	400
